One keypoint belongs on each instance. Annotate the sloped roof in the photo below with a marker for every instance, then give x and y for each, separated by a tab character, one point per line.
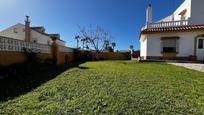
39	32
173	29
37	27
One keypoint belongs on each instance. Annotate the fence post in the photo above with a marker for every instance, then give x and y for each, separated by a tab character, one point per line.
54	52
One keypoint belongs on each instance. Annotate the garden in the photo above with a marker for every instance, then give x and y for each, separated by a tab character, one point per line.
109	87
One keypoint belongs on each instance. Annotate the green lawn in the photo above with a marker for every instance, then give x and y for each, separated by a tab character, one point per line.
115	87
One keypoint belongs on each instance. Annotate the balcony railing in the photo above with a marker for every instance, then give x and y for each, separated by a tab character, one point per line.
9	44
167	24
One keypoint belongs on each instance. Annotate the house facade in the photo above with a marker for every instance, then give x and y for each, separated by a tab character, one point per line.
177	36
31	34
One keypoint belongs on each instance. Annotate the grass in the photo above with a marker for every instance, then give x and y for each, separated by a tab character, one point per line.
115	87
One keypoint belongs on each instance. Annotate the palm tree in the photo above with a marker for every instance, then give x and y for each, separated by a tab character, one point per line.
77	38
106	43
131	50
113	45
83	41
86	42
131	47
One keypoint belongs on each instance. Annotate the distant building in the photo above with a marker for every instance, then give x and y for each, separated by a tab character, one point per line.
31	34
177	36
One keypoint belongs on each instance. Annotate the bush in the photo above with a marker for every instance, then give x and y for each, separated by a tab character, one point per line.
31	55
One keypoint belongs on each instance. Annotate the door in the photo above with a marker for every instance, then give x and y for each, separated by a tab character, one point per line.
200	48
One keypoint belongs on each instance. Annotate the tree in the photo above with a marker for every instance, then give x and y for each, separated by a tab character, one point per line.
110	49
131	50
95	38
107	44
77	38
83	42
131	47
113	45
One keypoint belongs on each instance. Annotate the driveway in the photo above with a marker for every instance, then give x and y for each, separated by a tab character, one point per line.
195	66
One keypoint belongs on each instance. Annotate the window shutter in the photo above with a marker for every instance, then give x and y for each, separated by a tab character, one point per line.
177	45
170	44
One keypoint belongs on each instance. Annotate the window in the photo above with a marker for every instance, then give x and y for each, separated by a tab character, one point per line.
200	44
183	14
34	40
48	42
169	49
170	45
15	30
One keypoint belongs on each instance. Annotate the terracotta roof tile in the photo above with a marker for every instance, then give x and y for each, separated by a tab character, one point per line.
169	29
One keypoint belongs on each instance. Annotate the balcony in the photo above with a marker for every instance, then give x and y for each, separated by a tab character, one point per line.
167	24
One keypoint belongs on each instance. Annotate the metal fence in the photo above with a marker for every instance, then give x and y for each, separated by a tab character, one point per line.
9	44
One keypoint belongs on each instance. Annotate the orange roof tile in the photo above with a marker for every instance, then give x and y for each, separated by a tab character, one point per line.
172	29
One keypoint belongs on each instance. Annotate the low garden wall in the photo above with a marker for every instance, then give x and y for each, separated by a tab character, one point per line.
16	51
9	58
65	55
93	56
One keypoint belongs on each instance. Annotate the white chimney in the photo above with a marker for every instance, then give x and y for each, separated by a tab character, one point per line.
149	14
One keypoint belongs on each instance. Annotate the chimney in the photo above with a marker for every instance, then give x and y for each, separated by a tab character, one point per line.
27	29
149	14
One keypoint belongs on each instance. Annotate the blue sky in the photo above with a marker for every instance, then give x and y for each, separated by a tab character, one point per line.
123	18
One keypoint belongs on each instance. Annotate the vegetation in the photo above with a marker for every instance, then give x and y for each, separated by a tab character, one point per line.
77	38
115	87
18	79
131	51
113	46
96	39
131	47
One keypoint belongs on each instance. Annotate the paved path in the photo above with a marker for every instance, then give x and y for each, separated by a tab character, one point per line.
198	67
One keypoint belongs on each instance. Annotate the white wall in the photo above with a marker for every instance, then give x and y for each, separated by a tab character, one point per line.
185	5
167	19
186	43
153	45
20	35
143	46
42	39
195	12
9	32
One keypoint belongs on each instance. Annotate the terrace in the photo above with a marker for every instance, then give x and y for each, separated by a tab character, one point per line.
167	24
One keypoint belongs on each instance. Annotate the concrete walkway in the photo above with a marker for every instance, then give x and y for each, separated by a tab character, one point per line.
195	66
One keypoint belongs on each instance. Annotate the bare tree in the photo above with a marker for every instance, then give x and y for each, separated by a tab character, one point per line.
95	38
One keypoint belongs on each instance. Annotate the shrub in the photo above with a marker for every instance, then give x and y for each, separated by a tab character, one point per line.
31	55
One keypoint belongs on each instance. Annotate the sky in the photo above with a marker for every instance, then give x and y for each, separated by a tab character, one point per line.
122	18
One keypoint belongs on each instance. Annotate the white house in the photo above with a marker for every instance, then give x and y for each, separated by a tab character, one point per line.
177	36
31	34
